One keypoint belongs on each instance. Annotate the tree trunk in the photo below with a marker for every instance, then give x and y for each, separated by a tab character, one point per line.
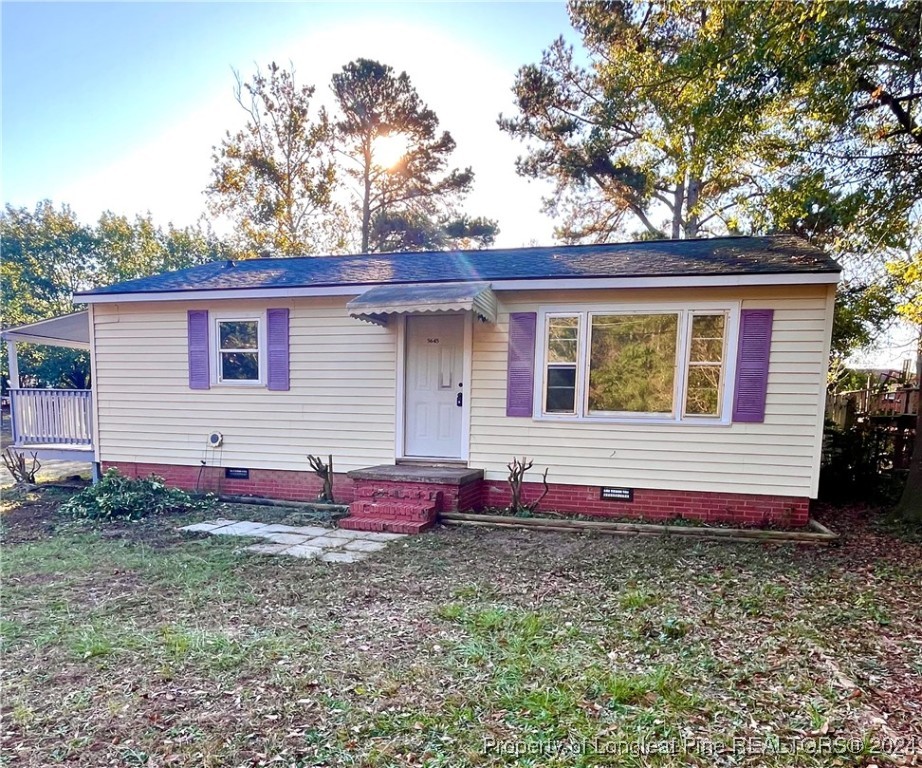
679	201
691	216
366	198
910	504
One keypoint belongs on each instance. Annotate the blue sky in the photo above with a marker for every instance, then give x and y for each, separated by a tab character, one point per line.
117	105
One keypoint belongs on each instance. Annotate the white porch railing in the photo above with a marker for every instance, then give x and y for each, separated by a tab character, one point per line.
51	416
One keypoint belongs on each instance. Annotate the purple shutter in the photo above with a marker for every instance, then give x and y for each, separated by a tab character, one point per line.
199	374
520	371
277	337
755	344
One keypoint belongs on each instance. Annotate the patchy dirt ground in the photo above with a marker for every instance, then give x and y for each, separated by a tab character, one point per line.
49	471
136	645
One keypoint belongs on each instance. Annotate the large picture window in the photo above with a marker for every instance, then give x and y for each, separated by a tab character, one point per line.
653	363
632	363
238	350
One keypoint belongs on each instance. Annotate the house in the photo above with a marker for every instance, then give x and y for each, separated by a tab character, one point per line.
650	379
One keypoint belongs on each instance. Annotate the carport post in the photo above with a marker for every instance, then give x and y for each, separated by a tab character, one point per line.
14	363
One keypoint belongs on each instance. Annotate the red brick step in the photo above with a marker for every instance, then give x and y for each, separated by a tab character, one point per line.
389	525
393	507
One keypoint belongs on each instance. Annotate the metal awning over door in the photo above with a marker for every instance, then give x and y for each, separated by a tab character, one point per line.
378	304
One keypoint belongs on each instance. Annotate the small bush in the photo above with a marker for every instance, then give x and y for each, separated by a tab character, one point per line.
116	497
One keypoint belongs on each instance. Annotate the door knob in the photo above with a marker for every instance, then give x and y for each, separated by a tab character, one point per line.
460	399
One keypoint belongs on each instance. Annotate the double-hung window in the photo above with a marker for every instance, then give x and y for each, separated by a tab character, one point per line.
656	363
562	360
238	350
704	380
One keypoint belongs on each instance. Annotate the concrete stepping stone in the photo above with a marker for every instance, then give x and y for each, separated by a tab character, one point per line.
301	550
243	528
327	542
310	530
208	526
268	549
332	545
284	538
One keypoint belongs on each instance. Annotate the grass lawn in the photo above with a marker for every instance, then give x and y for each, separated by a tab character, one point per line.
135	645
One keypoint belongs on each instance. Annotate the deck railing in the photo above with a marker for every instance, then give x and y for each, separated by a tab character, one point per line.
52	416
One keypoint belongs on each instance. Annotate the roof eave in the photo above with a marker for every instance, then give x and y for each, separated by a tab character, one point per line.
827	277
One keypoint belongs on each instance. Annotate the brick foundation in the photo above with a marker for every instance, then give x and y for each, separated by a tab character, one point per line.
284	484
738	508
743	509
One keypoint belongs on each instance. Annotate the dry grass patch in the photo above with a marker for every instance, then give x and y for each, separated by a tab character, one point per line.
135	645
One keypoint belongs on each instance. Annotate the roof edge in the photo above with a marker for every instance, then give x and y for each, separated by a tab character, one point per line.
815	277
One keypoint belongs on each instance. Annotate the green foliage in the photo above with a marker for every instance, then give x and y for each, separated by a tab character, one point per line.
127	249
907	277
856	68
857	466
123	498
275	177
657	129
851	70
406	193
863	311
48	254
407	231
692	117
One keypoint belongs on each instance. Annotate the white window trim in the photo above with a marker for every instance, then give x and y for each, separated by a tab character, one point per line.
722	406
585	311
246	317
545	326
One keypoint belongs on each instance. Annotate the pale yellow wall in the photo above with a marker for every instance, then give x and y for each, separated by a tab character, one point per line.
780	456
341	399
343	385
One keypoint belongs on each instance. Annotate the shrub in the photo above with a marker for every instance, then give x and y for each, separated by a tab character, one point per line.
116	497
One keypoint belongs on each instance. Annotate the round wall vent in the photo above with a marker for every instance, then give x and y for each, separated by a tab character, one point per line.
215	439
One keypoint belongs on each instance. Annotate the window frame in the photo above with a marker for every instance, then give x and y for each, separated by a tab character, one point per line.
721	405
685	310
652	415
262	340
545	365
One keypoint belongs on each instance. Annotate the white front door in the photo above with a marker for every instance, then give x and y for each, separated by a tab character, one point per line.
434	386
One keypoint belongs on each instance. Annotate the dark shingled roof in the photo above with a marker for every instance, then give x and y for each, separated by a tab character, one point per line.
775	254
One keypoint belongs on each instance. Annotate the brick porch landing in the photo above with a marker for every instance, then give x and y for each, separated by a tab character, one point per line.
407	498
